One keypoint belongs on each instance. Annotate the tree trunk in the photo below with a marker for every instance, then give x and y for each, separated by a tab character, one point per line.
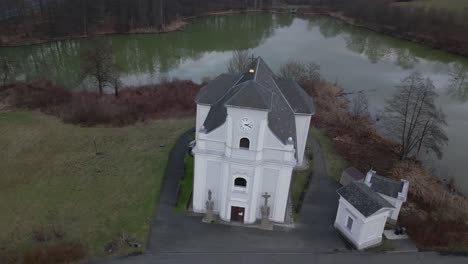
101	88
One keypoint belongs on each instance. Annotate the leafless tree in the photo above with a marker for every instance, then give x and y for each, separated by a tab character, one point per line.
239	61
116	83
7	69
458	83
360	106
98	64
300	71
412	118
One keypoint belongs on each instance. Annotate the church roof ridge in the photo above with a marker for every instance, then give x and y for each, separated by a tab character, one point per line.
363	198
257	88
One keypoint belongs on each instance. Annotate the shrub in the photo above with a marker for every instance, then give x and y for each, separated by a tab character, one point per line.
168	99
54	254
43	95
355	139
430	192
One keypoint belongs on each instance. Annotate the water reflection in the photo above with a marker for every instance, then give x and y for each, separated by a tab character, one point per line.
151	55
458	81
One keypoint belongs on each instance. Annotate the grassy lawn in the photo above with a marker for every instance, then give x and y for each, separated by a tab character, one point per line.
334	164
186	184
51	176
301	177
454	5
384	247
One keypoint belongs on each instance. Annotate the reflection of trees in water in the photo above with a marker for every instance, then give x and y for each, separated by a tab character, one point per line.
376	49
356	42
405	59
329	28
458	81
370	45
282	21
55	61
151	53
375	46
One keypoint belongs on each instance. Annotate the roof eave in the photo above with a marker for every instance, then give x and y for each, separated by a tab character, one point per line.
251	108
198	103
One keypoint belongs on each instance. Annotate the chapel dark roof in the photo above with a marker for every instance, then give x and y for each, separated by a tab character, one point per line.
282	98
354	173
363	198
386	186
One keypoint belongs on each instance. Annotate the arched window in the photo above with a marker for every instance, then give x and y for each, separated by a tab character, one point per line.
244	143
240	182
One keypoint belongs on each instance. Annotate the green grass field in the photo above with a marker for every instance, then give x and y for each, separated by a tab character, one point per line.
300	177
50	175
454	5
334	164
186	184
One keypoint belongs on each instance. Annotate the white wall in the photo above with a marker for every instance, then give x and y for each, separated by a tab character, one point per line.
396	203
202	112
267	166
254	136
302	130
270	181
365	231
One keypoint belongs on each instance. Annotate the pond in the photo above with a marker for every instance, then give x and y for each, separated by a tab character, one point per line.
358	59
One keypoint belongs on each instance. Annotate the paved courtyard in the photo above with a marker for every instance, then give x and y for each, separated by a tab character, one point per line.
172	232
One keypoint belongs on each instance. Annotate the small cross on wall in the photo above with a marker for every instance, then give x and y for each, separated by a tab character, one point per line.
266	196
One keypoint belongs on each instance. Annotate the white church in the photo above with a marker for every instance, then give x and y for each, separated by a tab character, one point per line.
251	132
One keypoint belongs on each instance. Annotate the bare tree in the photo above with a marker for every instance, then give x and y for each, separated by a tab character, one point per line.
360	106
239	61
300	71
7	69
458	83
116	83
412	117
99	65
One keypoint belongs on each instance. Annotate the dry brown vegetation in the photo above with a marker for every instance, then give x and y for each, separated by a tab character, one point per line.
168	99
48	254
354	137
436	217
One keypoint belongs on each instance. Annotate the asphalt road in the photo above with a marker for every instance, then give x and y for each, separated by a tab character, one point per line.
296	258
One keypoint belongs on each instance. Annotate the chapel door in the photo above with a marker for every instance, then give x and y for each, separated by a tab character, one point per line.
237	214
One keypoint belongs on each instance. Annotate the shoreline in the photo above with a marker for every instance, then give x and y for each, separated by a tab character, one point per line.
181	24
387	31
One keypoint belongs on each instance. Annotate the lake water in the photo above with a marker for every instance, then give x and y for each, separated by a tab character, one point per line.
356	58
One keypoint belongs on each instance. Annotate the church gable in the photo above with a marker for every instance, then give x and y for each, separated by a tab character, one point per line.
257	88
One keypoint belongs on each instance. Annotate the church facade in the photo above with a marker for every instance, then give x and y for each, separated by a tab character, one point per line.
251	132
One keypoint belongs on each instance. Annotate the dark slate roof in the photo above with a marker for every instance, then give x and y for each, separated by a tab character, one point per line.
384	185
216	88
298	99
363	198
251	95
354	173
282	99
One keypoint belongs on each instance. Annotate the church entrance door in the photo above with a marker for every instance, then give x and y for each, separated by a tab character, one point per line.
237	214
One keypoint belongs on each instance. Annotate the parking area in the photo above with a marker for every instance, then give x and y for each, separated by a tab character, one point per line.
172	232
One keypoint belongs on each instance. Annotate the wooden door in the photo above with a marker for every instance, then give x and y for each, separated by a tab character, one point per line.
237	214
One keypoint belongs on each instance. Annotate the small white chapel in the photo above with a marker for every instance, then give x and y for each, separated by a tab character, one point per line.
251	132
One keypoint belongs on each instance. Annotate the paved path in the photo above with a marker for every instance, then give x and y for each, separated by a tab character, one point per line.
177	238
172	232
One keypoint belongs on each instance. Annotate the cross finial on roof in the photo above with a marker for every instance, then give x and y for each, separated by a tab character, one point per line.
252	58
